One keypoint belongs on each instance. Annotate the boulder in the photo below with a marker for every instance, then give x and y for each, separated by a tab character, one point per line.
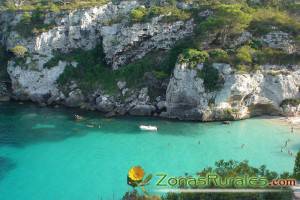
74	99
104	104
161	105
143	96
142	110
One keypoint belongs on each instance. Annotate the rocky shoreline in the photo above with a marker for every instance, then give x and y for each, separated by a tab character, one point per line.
242	96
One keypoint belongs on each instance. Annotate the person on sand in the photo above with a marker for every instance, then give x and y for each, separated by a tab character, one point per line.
286	143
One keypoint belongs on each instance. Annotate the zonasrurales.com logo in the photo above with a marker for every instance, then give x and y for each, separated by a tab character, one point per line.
207	183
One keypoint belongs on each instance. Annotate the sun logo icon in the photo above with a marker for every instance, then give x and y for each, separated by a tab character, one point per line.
135	178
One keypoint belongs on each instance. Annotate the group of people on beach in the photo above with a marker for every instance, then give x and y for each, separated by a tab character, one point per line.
285	146
287	141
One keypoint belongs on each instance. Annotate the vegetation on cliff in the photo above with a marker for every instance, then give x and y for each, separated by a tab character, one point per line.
52	6
218	25
93	72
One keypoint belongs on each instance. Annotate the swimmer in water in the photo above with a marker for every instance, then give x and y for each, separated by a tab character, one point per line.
242	146
199	142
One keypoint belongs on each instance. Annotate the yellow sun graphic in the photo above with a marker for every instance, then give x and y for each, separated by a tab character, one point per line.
136	173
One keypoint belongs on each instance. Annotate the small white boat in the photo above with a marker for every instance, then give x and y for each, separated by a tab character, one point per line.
148	128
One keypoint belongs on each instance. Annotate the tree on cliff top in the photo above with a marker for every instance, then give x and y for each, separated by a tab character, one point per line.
227	20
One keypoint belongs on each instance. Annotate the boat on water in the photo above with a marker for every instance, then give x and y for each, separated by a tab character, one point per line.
148	128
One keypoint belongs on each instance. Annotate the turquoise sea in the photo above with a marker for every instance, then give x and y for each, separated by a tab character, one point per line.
46	155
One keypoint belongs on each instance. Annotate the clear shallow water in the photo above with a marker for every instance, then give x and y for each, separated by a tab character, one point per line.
45	154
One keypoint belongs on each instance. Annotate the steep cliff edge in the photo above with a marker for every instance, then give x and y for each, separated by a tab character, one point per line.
241	96
120	59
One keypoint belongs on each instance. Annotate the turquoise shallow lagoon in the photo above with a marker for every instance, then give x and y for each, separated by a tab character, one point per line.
45	154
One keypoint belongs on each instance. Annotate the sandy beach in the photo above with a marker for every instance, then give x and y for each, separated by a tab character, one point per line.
288	121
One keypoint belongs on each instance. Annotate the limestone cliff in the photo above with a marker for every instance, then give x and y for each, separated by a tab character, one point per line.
181	96
241	96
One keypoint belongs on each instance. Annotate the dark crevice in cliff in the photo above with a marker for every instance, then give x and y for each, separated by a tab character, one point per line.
5	82
4	57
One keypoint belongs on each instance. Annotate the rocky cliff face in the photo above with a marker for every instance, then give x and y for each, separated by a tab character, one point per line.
185	96
242	95
126	44
84	29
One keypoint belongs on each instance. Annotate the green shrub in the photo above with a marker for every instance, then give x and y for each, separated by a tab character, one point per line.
244	55
211	77
54	8
265	19
26	18
292	102
19	51
177	49
138	14
193	57
219	55
242	68
160	74
171	13
275	56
